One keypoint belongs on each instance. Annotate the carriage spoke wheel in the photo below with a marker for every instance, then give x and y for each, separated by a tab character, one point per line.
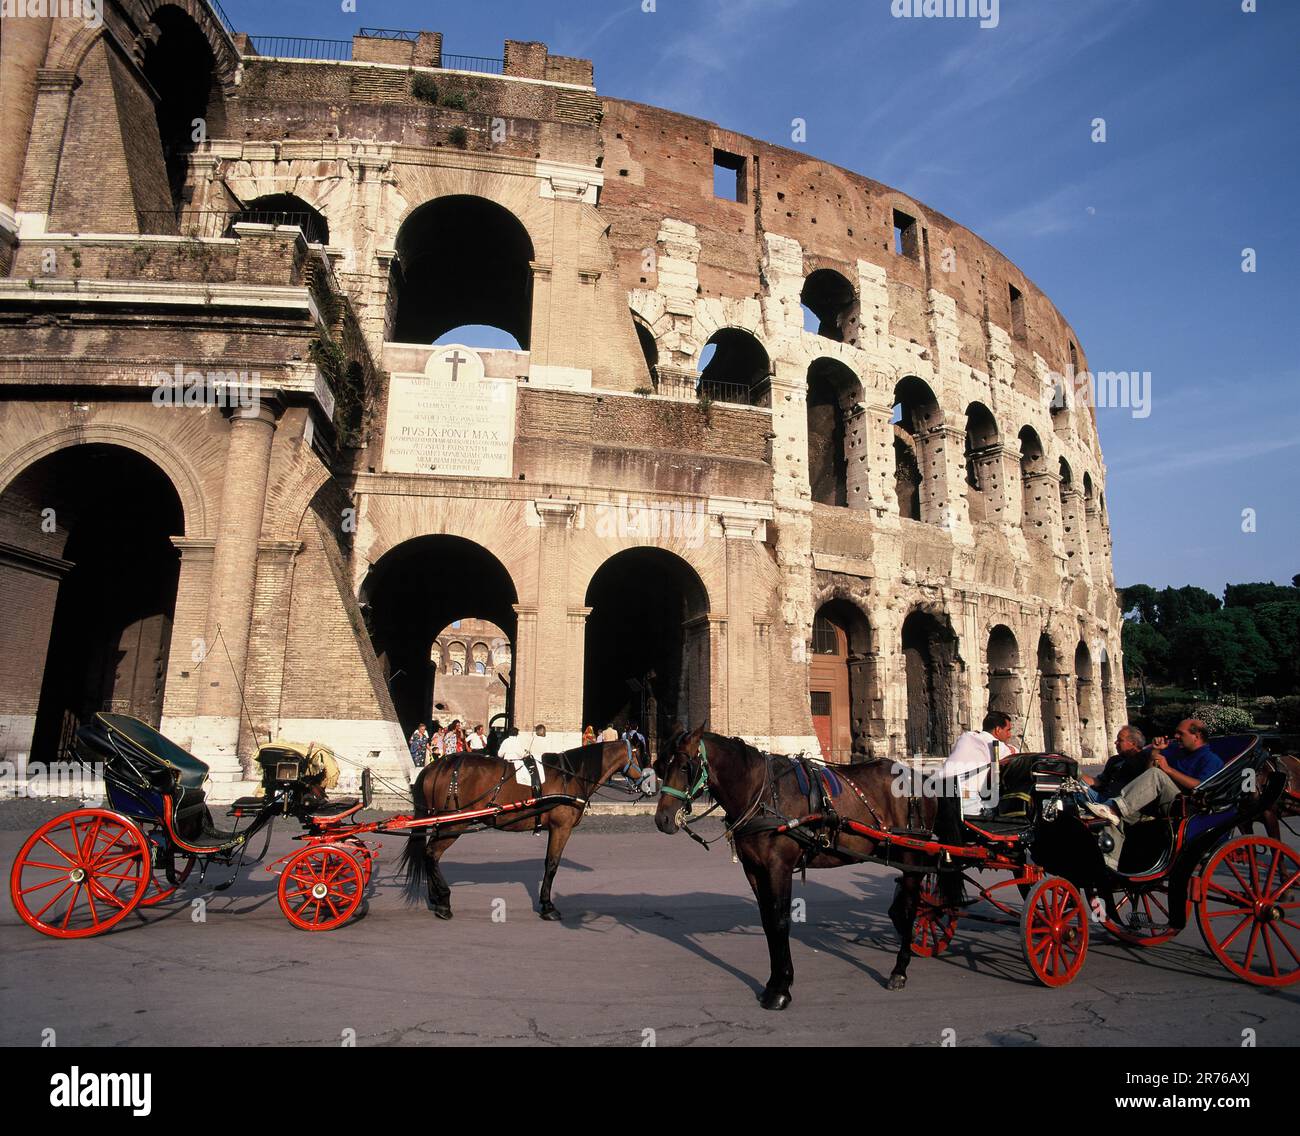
1249	912
1139	912
321	888
934	926
80	874
1054	931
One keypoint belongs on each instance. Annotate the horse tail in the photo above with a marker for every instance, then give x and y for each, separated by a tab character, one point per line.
415	860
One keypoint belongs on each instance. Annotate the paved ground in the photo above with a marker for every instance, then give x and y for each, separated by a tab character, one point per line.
657	935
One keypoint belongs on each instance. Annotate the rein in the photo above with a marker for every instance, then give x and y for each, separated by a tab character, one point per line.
701	782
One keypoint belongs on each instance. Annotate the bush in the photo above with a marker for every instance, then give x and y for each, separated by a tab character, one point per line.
1266	708
1224	719
455	101
458	136
424	88
1288	712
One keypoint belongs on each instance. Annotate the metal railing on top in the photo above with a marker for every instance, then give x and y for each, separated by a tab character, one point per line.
302	47
388	33
481	63
208	224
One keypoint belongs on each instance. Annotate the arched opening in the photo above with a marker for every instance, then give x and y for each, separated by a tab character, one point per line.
831	385
833	303
473	660
649	351
734	367
841	686
1049	702
647	643
1034	510
1004	672
89	574
1083	698
1103	665
179	65
916	414
461	260
983	488
286	209
930	662
412	595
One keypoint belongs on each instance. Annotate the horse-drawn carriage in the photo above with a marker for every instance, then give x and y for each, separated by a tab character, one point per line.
85	871
1245	892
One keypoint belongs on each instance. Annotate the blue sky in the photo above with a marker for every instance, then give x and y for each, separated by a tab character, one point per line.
1137	240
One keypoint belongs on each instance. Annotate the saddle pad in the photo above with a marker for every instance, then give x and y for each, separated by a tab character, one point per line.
833	786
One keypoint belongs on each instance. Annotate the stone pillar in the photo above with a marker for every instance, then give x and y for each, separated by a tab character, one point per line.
857	436
30	582
575	670
552	702
1073	538
741	532
49	121
941	456
998	474
523	672
22	51
878	442
264	671
1042	510
234	573
189	630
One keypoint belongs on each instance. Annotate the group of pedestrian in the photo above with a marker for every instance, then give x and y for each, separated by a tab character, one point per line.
443	741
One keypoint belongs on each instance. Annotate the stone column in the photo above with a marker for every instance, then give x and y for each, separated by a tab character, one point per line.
1042	520
878	441
44	145
264	671
189	631
857	437
234	573
740	532
575	669
941	457
523	671
552	702
998	473
1073	539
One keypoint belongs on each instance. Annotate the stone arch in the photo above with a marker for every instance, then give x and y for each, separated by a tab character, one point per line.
185	480
834	392
983	469
738	369
843	678
916	417
931	661
647	642
426	301
1005	682
224	55
649	347
833	300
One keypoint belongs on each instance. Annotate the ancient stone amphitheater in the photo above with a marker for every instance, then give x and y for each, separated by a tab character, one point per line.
769	444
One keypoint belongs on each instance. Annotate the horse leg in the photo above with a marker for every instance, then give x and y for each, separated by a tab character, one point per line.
772	886
902	913
557	836
439	889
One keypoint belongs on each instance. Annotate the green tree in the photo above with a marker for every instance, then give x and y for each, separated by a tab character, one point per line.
1278	624
1252	595
1139	600
1146	651
1221	647
1176	605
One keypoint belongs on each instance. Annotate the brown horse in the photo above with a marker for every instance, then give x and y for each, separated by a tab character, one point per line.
757	793
1288	804
470	781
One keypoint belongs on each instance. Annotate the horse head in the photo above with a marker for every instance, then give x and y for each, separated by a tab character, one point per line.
683	776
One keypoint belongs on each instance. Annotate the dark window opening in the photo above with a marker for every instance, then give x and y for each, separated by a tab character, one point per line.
729	176
834	305
907	236
1017	311
734	367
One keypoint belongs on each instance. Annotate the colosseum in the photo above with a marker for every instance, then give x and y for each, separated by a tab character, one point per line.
774	446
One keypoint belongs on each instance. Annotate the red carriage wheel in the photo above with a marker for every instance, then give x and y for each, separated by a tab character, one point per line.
321	888
1054	931
80	874
935	923
1249	909
160	892
1139	912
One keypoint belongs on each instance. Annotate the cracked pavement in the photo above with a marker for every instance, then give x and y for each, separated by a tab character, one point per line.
657	935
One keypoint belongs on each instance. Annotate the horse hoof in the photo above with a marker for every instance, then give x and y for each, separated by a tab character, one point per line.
550	914
896	982
442	911
774	1000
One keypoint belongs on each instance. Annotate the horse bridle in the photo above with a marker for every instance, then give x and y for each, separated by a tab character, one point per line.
689	796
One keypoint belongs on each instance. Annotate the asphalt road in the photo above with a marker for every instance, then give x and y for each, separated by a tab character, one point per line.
657	935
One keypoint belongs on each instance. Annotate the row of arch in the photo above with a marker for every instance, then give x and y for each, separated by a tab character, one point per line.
847	697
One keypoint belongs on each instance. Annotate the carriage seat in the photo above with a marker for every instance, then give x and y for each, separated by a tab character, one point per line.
323	810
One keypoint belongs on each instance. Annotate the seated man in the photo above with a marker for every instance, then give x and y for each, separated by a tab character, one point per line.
972	760
1121	767
1163	782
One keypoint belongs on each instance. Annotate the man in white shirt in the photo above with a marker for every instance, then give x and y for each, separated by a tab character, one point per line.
512	746
972	760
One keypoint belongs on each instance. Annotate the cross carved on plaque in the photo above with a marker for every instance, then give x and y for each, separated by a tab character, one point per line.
455	359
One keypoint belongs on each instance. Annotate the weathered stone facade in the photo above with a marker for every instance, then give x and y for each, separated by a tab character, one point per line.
660	543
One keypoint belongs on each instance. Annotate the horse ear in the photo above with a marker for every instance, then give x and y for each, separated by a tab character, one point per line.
691	743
